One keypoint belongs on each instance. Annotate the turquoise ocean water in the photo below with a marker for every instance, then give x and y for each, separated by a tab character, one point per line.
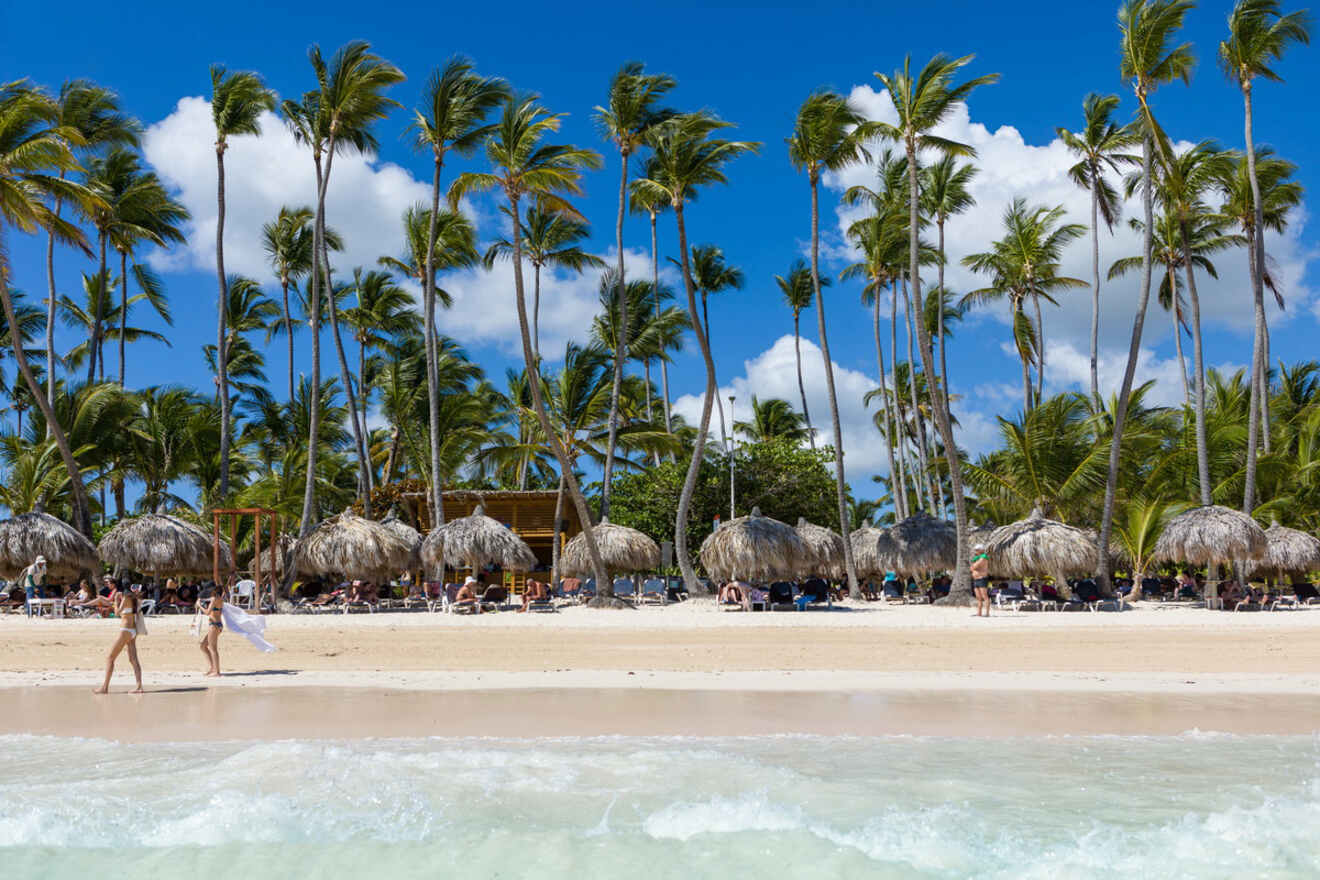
1197	805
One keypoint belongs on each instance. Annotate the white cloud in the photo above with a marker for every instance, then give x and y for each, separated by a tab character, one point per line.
1010	167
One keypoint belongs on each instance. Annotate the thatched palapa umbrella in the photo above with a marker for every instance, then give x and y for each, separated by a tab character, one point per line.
1286	550
352	546
866	551
475	541
826	550
157	543
29	535
918	544
1210	535
754	547
1040	546
410	536
622	549
272	558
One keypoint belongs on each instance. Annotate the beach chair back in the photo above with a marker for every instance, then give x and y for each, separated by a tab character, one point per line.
570	588
496	594
781	592
589	587
624	586
451	593
892	590
1087	591
1305	591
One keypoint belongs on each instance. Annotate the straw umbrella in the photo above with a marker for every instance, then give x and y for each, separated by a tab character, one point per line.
754	547
410	536
29	535
1286	550
622	550
825	547
475	541
918	544
157	543
1210	535
352	546
866	543
1041	546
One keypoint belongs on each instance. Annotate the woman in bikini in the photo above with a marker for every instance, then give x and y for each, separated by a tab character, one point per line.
211	629
127	606
981	580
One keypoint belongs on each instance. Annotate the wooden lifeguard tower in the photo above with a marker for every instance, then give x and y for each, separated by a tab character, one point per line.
264	517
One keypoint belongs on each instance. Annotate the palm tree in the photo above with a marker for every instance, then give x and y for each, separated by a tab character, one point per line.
629	113
687	155
524	167
772	419
384	310
1102	147
650	203
827	136
921	104
1148	61
944	188
237	101
711	274
33	153
82	317
1258	35
797	291
336	116
1023	265
453	114
1188	177
288	244
549	239
93	112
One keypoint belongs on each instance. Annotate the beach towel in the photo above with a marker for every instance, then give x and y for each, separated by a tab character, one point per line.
249	626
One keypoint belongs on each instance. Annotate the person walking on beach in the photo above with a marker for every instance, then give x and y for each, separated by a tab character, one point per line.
981	580
209	630
128	605
32	579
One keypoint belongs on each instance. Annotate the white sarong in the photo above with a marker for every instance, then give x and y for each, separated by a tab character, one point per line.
249	626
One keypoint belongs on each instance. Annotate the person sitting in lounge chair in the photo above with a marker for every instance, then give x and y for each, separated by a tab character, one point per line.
467	594
734	593
1232	593
535	591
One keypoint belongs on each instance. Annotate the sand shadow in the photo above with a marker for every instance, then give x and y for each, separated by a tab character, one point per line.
259	672
177	690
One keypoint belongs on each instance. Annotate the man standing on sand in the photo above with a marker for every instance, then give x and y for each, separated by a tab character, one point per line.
981	579
32	579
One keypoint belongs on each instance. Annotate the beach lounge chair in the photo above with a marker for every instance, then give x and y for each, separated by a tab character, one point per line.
1011	596
495	597
452	605
814	591
654	592
1306	594
893	592
781	596
570	589
625	588
758	599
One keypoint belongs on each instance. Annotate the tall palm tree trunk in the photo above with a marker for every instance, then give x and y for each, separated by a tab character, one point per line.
922	481
960	590
888	410
432	353
1095	295
82	518
655	281
1198	368
536	310
50	309
939	315
1257	264
1177	341
221	331
707	402
840	486
123	311
1040	351
604	587
719	405
309	510
1129	371
904	467
620	343
102	293
359	443
802	388
554	546
288	327
1024	354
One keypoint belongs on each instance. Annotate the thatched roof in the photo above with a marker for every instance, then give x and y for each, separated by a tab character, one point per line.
980	535
272	558
349	545
1288	550
825	547
622	549
410	536
866	551
753	547
29	535
474	542
1040	546
1210	535
918	544
157	543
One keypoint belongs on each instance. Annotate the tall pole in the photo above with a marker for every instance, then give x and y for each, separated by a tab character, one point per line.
730	451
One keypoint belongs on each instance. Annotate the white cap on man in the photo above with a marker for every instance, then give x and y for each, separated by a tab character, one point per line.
469	580
40	560
978	547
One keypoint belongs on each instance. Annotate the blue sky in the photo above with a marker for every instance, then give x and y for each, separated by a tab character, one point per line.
751	63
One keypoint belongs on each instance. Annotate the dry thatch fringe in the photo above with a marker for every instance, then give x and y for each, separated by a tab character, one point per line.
918	544
1210	535
825	547
29	535
474	542
1040	546
410	536
157	543
755	548
622	549
1287	550
272	558
352	546
866	551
